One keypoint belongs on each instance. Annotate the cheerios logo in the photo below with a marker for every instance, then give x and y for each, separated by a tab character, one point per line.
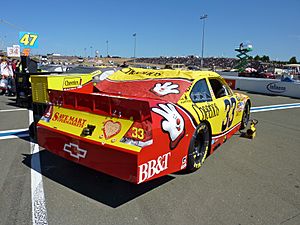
72	82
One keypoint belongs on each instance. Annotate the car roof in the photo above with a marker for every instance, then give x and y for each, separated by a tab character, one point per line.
131	74
140	83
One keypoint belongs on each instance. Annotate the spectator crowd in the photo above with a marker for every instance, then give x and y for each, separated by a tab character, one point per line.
8	69
219	63
224	63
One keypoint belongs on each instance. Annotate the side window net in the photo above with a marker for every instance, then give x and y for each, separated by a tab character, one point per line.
218	88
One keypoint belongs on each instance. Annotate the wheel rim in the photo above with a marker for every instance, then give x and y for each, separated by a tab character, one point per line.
246	115
200	145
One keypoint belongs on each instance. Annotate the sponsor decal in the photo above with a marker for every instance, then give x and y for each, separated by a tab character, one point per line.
240	106
71	82
205	112
106	74
276	88
75	151
165	89
131	71
71	120
242	99
238	96
46	119
153	167
47	116
173	123
183	163
111	129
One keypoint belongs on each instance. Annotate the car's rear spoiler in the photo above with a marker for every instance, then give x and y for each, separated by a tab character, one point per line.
115	106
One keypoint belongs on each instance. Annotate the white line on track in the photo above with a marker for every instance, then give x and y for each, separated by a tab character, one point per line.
38	203
274	107
14	131
12	110
17	133
14	136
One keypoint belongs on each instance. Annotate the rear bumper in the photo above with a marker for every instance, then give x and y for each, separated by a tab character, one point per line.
101	157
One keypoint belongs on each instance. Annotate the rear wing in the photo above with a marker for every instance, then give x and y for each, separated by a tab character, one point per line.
55	81
106	105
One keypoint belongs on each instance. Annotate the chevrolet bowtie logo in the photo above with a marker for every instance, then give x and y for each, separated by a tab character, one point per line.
75	151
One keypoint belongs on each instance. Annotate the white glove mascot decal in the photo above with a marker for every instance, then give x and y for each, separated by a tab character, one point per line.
106	74
165	89
172	123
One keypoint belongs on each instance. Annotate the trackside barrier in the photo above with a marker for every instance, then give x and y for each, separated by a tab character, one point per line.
229	73
264	86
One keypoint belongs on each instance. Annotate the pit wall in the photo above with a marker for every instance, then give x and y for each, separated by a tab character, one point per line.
264	86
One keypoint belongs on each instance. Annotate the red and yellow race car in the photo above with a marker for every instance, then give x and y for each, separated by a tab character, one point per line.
140	124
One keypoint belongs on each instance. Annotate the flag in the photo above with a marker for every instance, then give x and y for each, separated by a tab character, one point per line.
134	35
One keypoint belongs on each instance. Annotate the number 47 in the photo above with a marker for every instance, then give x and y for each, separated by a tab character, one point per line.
29	39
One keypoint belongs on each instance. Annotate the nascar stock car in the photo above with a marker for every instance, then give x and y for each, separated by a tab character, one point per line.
141	124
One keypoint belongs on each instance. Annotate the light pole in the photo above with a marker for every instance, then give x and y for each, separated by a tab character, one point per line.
91	51
106	48
134	47
84	52
203	18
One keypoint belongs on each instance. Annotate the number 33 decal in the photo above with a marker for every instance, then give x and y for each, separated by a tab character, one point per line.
138	133
230	106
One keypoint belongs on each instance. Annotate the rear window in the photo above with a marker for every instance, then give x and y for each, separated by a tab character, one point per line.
200	92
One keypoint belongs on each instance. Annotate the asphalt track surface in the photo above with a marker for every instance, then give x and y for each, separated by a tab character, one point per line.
243	182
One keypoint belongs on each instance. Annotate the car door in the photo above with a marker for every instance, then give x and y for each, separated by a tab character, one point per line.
207	101
226	101
199	102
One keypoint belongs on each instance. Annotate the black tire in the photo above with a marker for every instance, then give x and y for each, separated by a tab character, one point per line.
32	131
199	147
246	116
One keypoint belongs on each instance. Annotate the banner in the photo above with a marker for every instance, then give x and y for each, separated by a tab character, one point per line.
28	39
13	51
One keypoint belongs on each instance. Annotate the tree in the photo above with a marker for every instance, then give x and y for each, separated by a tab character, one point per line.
293	60
257	58
265	58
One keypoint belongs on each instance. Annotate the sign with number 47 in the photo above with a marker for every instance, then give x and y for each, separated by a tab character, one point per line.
28	39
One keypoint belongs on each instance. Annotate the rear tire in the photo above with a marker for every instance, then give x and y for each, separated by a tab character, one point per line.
199	147
32	131
246	116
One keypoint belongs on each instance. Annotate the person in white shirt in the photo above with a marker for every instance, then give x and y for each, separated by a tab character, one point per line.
7	73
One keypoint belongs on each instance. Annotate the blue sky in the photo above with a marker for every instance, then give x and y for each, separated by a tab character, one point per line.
164	28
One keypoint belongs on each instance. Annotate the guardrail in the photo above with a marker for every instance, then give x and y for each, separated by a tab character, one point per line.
264	86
